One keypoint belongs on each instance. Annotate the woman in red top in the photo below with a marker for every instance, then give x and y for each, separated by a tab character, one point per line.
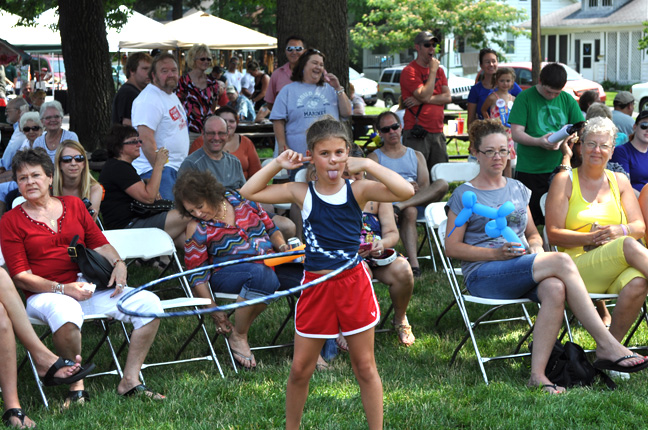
36	235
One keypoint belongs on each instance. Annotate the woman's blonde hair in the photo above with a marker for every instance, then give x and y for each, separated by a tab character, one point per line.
194	51
87	181
600	125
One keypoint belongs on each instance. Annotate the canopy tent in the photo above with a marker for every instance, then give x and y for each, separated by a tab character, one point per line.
41	38
9	53
202	27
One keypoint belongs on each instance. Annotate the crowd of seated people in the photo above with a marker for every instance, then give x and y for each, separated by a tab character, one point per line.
213	223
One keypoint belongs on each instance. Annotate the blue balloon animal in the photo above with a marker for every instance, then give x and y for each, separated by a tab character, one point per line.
497	226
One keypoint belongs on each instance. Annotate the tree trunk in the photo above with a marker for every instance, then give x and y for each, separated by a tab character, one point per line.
323	25
88	71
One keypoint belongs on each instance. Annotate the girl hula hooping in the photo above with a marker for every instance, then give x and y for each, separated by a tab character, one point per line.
331	210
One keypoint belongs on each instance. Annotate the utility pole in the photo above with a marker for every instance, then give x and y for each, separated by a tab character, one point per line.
536	54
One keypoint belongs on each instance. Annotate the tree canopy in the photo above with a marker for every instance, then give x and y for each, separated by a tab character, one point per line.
394	23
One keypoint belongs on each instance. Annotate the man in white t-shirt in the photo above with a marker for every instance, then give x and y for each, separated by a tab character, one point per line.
232	75
161	122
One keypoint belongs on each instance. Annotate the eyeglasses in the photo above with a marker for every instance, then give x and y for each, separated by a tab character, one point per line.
203	59
490	153
68	158
28	129
294	48
52	117
212	134
603	146
133	142
395	126
644	125
312	51
429	44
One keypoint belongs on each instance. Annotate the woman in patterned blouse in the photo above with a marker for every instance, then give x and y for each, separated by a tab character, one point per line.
197	90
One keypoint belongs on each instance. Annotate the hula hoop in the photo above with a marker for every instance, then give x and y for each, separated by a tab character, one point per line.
231	306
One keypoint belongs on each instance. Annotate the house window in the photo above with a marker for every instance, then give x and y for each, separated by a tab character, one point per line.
510	43
593	3
607	3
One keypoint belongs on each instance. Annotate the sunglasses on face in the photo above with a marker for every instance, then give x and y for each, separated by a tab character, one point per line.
203	59
132	142
68	158
294	48
395	126
644	125
429	44
28	129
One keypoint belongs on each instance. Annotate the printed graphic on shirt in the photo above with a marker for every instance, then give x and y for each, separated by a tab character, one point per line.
314	104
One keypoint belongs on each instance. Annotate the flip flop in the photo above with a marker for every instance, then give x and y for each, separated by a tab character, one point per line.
614	365
143	390
552	386
244	357
77	396
50	380
17	413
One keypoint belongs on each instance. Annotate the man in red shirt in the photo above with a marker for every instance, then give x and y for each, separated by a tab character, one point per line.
424	89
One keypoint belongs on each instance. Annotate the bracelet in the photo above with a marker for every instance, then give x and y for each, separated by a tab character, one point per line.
118	260
339	91
58	288
564	167
282	246
625	229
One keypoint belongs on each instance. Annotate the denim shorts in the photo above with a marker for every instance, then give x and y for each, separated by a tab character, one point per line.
248	280
508	279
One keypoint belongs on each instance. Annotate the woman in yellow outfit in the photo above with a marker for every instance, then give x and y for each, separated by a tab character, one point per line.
594	216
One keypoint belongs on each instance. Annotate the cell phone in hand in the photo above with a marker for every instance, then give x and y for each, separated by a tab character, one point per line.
365	246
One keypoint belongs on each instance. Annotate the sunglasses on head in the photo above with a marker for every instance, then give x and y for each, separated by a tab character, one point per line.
294	48
28	129
643	125
395	126
69	158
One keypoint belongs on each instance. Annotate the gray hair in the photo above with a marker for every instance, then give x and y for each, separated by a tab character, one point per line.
599	125
51	104
19	103
598	109
33	116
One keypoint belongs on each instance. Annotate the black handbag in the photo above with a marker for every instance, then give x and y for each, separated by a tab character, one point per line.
145	210
94	266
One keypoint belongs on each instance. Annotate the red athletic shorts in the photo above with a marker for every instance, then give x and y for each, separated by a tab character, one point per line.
344	303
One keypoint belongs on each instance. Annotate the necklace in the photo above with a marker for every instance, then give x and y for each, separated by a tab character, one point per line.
222	217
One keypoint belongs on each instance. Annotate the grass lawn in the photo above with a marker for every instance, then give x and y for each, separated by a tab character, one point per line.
420	390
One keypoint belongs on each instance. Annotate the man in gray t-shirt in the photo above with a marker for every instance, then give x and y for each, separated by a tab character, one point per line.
225	167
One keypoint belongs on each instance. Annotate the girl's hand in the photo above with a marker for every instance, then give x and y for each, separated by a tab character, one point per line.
291	160
356	164
511	250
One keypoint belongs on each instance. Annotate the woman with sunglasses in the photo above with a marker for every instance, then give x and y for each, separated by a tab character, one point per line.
198	91
32	128
51	114
596	220
123	186
497	268
633	154
72	176
313	93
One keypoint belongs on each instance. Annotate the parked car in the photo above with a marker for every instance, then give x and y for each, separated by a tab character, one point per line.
640	93
364	87
49	72
389	86
576	84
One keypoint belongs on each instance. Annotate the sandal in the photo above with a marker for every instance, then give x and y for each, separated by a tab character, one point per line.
143	390
17	413
240	358
78	396
50	380
405	335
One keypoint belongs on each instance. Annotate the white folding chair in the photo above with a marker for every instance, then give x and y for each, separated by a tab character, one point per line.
454	172
493	305
147	243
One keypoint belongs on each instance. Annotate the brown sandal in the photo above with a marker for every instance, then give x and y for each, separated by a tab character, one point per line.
405	335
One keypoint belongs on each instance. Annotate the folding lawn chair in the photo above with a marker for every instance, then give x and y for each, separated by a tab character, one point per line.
147	243
493	305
